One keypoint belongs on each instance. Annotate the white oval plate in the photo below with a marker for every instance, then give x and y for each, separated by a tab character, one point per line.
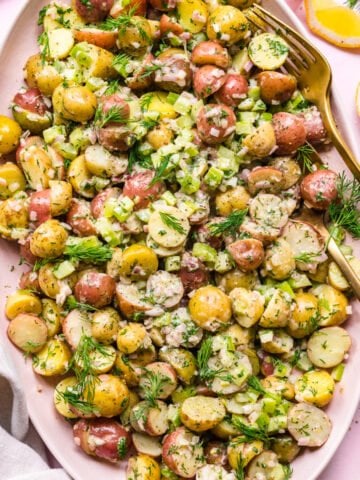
54	430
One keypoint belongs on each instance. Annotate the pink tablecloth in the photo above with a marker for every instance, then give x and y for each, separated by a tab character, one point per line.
346	68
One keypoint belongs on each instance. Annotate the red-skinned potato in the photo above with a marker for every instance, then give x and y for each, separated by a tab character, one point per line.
139	81
101	38
79	218
163	5
93	11
290	132
192	279
175	72
153	420
276	87
138	7
168	24
98	203
115	101
215	123
210	53
138	187
116	138
31	111
29	281
204	235
26	253
181	454
207	80
233	91
247	253
39	207
166	372
265	179
314	126
95	288
102	438
31	100
319	189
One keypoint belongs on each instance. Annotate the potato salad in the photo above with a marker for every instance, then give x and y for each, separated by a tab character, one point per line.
152	174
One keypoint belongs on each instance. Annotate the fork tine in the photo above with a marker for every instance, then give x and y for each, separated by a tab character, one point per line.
295	40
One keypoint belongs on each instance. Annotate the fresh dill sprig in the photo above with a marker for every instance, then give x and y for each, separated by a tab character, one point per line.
344	211
295	358
288	471
121	448
40	262
123	22
160	170
115	114
149	123
149	70
249	432
120	62
352	3
145	101
172	222
240	468
203	355
307	257
43	42
72	304
42	14
230	225
153	386
72	397
304	155
254	383
86	253
112	87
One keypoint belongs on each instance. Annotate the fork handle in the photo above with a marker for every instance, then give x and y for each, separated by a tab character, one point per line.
351	161
344	266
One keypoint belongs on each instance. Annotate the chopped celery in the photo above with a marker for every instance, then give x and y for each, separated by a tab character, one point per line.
248	117
282	369
95	83
182	393
184	103
263	420
172	97
86	242
66	150
299	280
50	134
285	287
143	215
81	53
204	252
246	104
244	128
223	263
346	249
254	92
64	269
228	165
80	137
189	183
259	106
185	121
172	264
169	198
304	362
196	108
269	405
240	60
277	423
266	117
337	372
106	230
213	177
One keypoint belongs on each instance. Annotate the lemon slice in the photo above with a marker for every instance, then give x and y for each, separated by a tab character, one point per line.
357	99
337	21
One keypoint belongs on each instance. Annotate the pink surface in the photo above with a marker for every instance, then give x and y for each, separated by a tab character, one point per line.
346	69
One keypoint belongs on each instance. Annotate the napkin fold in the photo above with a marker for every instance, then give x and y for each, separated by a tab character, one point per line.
23	454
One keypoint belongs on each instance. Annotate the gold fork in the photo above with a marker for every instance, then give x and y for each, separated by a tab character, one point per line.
313	74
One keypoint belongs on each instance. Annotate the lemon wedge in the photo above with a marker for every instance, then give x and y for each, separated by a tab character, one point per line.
337	21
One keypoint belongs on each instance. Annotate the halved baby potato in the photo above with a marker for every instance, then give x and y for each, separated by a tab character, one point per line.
202	413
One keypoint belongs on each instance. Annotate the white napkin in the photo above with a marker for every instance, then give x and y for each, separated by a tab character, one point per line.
23	455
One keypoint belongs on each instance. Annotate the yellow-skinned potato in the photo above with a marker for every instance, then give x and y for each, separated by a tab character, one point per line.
49	284
28	332
99	61
247	306
277	311
52	359
61	405
60	197
126	370
245	450
182	361
80	177
186	9
227	25
285	447
110	395
279	386
48	240
101	360
11	180
210	308
261	142
51	314
159	136
237	279
74	103
14	214
279	260
138	262
321	273
22	301
202	413
42	76
133	400
144	356
131	337
315	387
142	467
240	335
10	132
105	325
332	305
304	317
157	102
225	429
36	164
276	341
234	199
135	37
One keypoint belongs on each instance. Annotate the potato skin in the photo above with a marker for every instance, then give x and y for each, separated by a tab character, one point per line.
228	20
275	87
48	240
247	253
107	431
210	308
202	413
94	10
95	288
79	218
234	199
210	53
319	189
110	395
28	332
209	123
22	301
233	91
208	80
290	132
262	141
10	132
74	103
142	467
